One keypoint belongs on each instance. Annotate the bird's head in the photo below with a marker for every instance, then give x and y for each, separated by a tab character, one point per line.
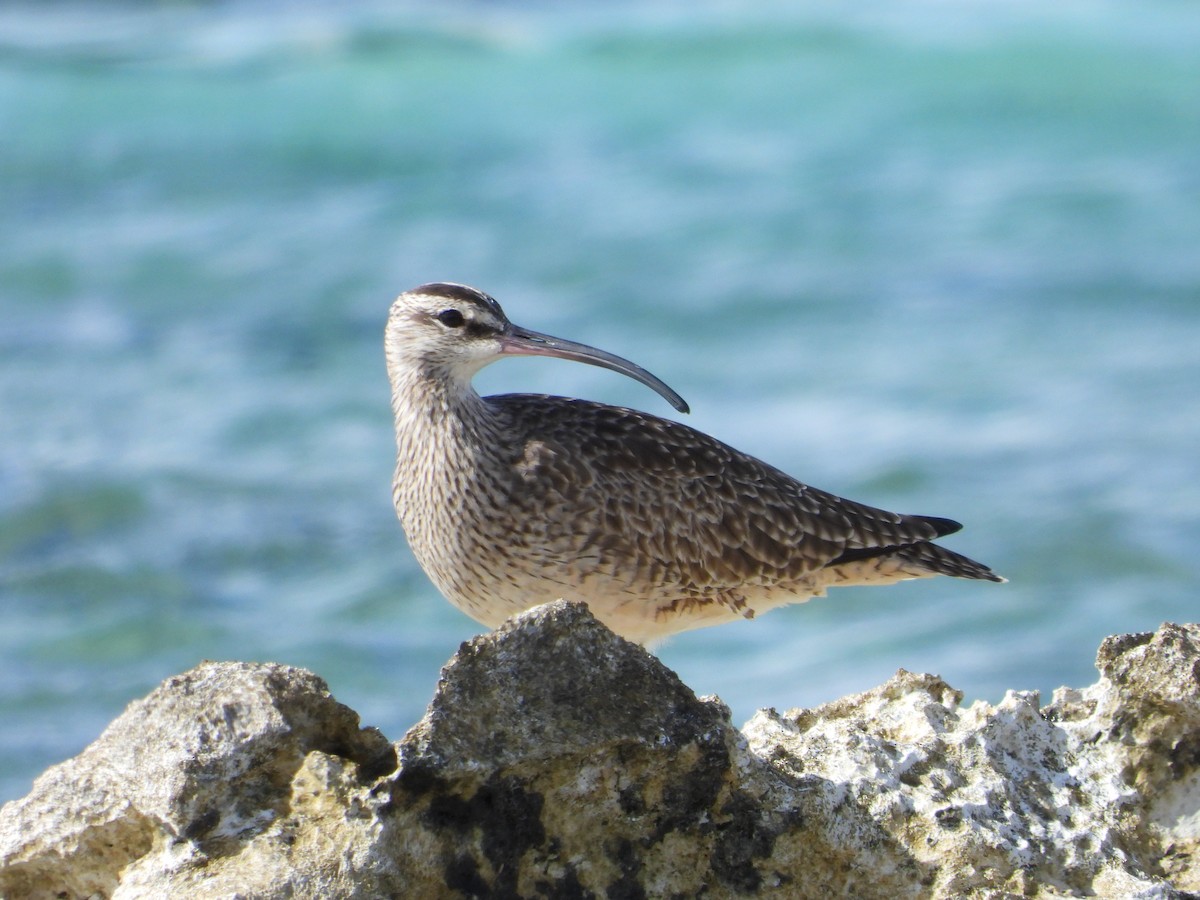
450	331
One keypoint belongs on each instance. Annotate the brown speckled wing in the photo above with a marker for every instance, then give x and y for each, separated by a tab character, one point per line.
679	506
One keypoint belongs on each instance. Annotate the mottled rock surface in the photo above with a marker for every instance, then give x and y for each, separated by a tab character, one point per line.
557	760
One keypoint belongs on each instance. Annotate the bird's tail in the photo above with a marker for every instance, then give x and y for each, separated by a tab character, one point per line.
921	559
932	559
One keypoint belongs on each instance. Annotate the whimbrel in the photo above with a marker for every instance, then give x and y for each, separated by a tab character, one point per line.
515	500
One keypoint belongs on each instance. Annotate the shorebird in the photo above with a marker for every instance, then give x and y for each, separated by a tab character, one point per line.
514	500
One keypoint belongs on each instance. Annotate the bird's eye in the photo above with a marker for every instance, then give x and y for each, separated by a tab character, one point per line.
451	318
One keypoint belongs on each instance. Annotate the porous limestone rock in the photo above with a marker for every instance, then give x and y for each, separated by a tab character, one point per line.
557	760
191	775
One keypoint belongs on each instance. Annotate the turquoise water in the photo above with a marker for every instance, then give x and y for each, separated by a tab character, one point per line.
945	261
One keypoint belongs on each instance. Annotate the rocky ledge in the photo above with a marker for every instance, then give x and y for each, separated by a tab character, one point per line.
557	760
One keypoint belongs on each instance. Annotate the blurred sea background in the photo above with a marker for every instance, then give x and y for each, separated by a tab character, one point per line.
941	258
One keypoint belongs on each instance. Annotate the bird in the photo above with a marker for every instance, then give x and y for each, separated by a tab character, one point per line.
514	500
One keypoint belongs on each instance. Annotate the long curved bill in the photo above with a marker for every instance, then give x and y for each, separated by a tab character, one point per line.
523	342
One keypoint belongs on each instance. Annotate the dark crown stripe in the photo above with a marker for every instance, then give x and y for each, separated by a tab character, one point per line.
459	293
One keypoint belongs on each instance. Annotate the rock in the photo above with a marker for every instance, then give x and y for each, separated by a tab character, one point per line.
191	774
558	760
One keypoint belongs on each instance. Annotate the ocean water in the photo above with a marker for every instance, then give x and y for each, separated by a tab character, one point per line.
943	260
